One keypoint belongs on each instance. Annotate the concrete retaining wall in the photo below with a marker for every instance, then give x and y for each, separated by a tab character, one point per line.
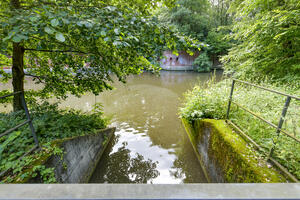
225	156
81	156
182	61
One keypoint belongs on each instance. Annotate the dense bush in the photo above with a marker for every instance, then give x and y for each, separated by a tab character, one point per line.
50	123
267	35
212	101
202	63
218	43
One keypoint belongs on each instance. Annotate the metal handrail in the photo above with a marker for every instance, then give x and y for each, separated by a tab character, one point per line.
29	121
268	89
266	121
278	127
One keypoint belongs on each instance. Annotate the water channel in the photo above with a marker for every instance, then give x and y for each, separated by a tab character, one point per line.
150	144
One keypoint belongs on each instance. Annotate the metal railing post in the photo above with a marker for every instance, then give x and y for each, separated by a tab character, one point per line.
277	127
230	99
280	123
29	120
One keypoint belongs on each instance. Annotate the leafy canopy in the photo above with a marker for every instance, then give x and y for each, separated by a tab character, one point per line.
268	36
76	46
205	20
188	16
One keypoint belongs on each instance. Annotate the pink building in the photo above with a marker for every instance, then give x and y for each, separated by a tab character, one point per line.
181	62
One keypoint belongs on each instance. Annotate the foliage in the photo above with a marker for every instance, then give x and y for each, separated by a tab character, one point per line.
50	124
211	102
205	103
188	16
76	46
268	35
202	63
219	13
143	6
218	43
204	20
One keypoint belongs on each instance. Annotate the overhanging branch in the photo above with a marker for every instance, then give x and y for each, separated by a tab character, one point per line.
60	43
38	77
56	51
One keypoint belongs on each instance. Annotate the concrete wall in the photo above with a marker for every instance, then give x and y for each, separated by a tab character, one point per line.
150	191
225	156
181	62
81	156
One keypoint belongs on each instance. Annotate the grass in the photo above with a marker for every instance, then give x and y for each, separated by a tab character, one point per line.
211	100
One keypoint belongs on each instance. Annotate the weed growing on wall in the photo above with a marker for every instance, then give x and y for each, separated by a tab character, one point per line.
211	100
50	124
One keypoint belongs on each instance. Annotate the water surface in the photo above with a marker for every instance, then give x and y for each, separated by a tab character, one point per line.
150	144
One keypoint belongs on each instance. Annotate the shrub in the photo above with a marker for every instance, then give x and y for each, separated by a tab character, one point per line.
202	63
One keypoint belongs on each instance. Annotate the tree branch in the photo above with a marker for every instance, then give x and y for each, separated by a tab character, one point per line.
63	44
55	51
38	77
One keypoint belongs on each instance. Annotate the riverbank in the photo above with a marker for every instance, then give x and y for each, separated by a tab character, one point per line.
212	103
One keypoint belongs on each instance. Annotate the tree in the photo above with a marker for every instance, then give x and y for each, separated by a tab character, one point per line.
205	20
190	17
267	34
74	46
219	12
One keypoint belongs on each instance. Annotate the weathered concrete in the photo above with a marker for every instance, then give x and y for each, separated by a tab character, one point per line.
177	68
139	191
225	155
182	61
81	156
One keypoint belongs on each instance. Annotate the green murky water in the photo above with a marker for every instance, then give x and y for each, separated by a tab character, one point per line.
150	144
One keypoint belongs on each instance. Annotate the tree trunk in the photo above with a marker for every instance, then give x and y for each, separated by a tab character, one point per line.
18	75
17	66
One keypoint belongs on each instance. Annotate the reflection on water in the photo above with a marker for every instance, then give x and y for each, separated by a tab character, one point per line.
150	145
145	112
132	168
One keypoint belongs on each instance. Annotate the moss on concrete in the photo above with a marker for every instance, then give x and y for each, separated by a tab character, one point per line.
230	154
45	155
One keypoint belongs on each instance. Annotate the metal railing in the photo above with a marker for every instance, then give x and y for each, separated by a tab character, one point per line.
278	127
28	121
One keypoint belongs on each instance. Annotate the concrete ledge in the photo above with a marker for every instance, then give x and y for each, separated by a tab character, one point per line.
81	156
226	157
135	191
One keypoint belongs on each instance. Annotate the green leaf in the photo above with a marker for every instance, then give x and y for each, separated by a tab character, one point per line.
103	33
116	31
116	43
60	37
190	52
8	140
17	38
54	22
49	30
33	19
88	24
6	38
175	53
